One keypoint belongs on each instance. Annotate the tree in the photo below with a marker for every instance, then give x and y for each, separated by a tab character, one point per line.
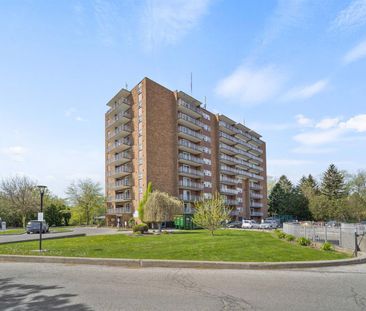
22	196
357	196
333	185
279	196
53	215
143	201
86	196
211	213
161	207
308	186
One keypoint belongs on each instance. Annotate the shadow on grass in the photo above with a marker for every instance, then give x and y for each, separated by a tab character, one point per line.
17	296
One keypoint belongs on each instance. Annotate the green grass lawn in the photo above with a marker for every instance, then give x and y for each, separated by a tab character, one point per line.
226	245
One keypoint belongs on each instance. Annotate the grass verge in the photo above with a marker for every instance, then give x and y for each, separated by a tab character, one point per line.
226	245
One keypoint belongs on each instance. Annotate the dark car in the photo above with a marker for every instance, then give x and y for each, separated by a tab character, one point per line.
33	227
234	224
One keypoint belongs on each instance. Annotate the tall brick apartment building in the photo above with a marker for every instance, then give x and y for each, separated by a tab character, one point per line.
166	137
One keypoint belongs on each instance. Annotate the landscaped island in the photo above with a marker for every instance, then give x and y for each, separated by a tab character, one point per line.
226	245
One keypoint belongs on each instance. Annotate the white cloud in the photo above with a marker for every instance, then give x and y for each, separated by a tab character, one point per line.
327	123
306	91
16	153
319	137
352	16
357	123
358	52
303	121
251	86
164	22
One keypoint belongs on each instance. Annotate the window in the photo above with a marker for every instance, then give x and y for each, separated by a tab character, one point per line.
207	173
207	161
139	89
207	184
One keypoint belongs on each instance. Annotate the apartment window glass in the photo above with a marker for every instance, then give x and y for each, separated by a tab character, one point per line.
207	173
207	161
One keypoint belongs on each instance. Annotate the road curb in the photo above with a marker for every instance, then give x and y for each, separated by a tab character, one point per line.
152	263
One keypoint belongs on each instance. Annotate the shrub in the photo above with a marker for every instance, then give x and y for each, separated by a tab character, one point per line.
281	235
327	247
140	228
290	237
303	241
132	222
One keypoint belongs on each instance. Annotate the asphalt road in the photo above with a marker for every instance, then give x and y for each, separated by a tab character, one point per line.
32	286
76	230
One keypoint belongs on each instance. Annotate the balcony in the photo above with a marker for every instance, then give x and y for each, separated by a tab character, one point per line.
256	214
121	104
234	213
190	198
255	195
189	172
121	131
120	171
234	130
256	204
228	180
189	109
187	133
189	159
120	145
190	185
231	140
230	202
119	210
186	145
121	117
122	197
255	187
228	191
236	151
190	122
120	158
245	164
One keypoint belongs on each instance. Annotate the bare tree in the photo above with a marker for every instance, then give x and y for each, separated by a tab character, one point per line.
211	213
21	194
87	196
161	207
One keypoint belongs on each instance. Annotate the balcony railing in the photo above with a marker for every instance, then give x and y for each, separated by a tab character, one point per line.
191	120
119	103
119	157
183	156
188	144
239	162
121	128
188	131
238	172
256	195
122	197
225	179
228	190
191	184
256	214
239	131
119	184
239	151
121	115
119	210
239	141
230	202
125	141
121	169
255	186
190	198
256	204
190	171
189	106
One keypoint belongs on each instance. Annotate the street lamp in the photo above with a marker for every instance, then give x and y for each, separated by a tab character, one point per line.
42	190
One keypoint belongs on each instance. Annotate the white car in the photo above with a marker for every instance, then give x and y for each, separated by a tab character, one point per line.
249	224
268	224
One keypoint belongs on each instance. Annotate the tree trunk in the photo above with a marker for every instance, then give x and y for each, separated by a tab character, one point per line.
23	221
159	225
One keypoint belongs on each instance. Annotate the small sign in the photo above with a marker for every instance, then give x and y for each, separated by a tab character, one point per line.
40	216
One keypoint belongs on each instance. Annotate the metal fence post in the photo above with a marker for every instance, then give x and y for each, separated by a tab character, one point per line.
325	232
340	236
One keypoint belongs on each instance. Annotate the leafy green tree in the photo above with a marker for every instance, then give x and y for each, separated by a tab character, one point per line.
143	201
211	213
53	215
308	186
333	184
87	199
66	215
279	196
161	207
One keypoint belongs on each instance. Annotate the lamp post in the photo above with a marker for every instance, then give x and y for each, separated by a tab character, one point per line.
42	190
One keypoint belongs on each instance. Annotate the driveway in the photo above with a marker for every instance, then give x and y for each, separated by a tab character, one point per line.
76	230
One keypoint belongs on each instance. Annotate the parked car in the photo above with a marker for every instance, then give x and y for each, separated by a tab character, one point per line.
33	227
234	224
249	224
268	224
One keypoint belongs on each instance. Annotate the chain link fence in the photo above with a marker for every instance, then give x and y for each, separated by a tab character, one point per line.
348	236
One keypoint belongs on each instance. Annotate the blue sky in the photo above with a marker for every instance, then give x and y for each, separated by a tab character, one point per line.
292	70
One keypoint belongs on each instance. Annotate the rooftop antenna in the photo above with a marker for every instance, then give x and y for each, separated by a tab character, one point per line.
205	103
191	83
126	85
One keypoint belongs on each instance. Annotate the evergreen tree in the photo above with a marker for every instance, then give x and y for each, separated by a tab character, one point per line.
333	185
279	196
